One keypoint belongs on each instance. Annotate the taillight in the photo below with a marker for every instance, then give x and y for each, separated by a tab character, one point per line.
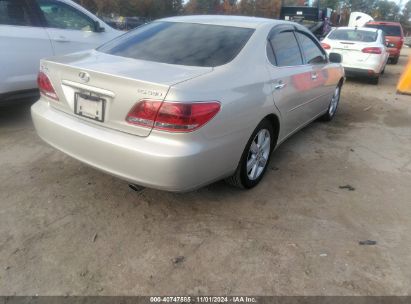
172	116
372	50
45	86
144	113
325	46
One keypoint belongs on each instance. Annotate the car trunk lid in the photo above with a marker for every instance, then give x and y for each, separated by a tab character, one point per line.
351	51
110	86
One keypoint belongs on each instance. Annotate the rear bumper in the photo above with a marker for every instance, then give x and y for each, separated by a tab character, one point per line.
355	72
153	161
394	52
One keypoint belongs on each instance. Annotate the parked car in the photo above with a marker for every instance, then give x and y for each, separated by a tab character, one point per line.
394	36
31	30
181	102
363	50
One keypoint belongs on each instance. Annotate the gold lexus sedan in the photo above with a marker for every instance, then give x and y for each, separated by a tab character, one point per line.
182	102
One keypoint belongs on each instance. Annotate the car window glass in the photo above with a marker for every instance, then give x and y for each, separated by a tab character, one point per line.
14	12
312	51
63	16
181	43
270	54
389	30
286	49
353	35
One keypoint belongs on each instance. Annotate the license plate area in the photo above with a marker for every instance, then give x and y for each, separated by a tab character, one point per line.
89	106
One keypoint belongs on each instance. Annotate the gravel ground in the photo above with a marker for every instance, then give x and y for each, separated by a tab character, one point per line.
67	229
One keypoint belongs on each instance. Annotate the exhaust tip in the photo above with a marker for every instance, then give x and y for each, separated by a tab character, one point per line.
136	188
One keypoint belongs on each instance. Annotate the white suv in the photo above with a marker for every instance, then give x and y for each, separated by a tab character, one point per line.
35	29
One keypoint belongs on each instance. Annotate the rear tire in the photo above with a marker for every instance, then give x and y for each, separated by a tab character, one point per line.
375	80
394	60
333	107
255	158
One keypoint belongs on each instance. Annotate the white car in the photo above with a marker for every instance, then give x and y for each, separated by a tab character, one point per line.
32	30
363	50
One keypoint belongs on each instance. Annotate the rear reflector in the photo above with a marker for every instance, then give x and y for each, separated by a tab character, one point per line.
325	46
172	116
372	50
45	86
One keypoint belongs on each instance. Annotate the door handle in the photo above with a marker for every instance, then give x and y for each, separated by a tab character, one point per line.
61	39
279	85
314	76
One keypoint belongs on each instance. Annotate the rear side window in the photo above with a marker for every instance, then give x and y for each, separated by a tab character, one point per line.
181	43
313	53
286	50
63	16
389	30
353	35
14	12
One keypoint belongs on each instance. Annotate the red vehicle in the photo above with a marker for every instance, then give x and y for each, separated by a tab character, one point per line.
394	37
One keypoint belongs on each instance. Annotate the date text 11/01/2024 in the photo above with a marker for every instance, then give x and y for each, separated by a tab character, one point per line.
203	299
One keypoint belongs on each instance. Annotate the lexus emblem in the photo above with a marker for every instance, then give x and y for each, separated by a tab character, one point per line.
84	76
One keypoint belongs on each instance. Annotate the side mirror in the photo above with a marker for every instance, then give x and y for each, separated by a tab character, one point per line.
335	58
98	28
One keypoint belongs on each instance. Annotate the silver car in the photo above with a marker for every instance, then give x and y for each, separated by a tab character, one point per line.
185	101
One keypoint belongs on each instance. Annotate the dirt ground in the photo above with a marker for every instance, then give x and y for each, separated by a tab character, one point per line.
67	229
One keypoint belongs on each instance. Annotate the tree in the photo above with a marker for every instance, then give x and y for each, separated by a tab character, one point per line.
89	4
247	7
386	10
229	7
333	4
406	13
405	18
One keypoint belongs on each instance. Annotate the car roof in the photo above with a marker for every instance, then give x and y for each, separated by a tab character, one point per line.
384	23
237	21
368	29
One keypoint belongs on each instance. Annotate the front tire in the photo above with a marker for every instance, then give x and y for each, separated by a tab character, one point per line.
334	102
255	158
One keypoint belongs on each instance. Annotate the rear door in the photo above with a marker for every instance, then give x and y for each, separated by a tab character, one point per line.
70	30
290	78
23	42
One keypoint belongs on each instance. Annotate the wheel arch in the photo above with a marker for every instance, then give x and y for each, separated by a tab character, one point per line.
275	122
341	82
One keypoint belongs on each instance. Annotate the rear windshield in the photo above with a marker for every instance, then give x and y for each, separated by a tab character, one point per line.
389	30
181	43
353	35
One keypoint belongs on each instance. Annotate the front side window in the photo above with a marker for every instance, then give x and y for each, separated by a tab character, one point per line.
181	43
14	12
354	35
63	16
312	52
286	49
